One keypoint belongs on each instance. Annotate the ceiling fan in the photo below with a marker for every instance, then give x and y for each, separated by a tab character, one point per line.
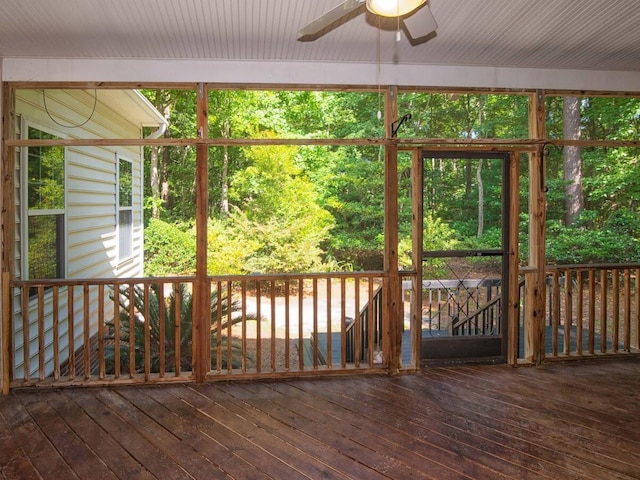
414	16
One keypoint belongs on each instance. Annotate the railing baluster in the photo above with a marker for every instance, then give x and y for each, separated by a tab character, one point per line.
258	326
370	322
300	324
56	332
25	335
358	343
592	312
229	327
177	309
555	318
243	289
329	331
132	330
71	334
287	325
568	311
218	341
87	332
273	326
343	324
603	310
615	277
627	310
116	330
637	319
580	312
147	332
101	307
162	338
316	340
41	332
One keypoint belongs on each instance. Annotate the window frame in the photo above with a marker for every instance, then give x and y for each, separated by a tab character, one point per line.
122	256
26	213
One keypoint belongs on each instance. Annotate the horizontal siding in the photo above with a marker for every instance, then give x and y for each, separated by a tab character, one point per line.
90	213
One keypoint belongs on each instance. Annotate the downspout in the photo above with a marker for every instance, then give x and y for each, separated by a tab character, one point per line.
159	132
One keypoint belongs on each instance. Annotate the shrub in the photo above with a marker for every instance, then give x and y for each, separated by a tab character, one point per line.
168	249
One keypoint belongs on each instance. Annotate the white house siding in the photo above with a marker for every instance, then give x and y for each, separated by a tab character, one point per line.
91	215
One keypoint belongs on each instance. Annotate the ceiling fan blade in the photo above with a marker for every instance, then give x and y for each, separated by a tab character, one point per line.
312	30
420	25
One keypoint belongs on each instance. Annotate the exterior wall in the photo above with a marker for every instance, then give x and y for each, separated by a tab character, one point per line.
91	214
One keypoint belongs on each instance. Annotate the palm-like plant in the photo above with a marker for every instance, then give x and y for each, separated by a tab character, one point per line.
164	338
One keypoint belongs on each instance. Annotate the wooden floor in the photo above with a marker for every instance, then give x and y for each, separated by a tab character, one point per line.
563	420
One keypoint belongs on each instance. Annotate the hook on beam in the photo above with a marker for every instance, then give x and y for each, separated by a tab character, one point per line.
395	126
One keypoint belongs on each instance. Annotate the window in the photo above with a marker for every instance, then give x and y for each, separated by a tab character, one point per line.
125	209
45	204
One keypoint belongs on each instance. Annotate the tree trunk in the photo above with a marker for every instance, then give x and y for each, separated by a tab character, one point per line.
480	199
155	182
155	170
572	161
224	195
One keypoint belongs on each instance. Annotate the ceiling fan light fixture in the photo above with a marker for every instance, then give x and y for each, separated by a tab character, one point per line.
393	8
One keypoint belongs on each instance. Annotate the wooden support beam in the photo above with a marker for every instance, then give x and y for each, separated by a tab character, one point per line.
393	313
416	260
8	237
202	310
513	295
535	285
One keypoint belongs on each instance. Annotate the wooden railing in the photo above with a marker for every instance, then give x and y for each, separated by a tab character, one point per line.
68	332
448	302
366	330
592	310
483	321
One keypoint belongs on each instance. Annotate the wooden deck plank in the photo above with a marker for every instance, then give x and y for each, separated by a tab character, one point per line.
323	452
109	450
373	452
597	451
153	459
164	440
415	451
458	437
32	441
304	463
14	463
559	403
177	420
570	420
558	456
84	462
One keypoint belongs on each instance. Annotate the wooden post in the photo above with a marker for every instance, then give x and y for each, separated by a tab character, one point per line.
393	314
417	234
8	236
202	302
535	286
513	331
6	332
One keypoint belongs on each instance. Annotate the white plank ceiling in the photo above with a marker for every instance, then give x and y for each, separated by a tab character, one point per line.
601	35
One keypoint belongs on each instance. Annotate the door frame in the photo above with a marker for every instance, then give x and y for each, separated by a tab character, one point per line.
508	338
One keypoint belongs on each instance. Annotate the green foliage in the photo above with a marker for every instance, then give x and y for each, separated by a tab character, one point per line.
437	235
617	239
168	249
277	217
328	202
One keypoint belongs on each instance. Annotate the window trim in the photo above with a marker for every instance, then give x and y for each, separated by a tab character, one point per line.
119	257
26	212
